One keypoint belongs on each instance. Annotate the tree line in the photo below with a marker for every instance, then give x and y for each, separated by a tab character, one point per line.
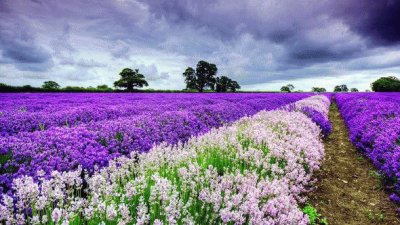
339	88
203	78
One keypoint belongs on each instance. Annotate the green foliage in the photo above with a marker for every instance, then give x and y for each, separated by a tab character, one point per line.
376	217
288	88
190	78
4	158
51	85
201	78
318	89
314	217
131	79
104	87
74	89
386	84
353	89
341	88
224	84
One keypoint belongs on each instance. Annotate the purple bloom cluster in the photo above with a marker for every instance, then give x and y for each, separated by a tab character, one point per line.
317	109
319	119
63	131
373	120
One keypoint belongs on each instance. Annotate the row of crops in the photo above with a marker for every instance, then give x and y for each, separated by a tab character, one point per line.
31	112
188	159
92	142
373	120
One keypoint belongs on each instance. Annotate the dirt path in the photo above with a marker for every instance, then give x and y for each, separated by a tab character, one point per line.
349	190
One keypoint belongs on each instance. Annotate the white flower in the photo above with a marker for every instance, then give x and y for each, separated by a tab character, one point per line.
35	220
158	222
44	219
111	212
56	215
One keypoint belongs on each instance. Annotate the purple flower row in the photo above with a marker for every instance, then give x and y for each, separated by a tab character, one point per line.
317	109
95	143
24	112
373	120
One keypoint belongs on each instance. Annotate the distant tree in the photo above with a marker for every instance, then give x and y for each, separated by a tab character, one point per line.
103	87
341	88
234	85
224	84
74	89
386	84
291	87
190	78
50	85
285	89
131	79
353	89
318	89
203	77
288	88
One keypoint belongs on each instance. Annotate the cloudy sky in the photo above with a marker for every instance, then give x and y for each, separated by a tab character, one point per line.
263	44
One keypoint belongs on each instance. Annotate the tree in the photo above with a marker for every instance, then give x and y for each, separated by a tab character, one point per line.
234	85
291	87
131	79
103	87
318	89
341	88
386	84
190	78
224	83
288	88
353	89
203	77
50	85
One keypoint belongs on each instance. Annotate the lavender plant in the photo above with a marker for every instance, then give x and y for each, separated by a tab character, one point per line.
373	120
254	171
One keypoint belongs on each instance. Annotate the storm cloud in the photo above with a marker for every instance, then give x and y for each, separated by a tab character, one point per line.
262	44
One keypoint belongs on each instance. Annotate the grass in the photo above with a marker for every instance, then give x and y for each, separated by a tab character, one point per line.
313	215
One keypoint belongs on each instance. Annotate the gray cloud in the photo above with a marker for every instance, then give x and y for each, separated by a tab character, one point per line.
18	45
376	20
252	41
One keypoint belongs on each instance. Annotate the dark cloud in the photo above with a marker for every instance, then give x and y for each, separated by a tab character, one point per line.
254	42
18	45
286	23
376	20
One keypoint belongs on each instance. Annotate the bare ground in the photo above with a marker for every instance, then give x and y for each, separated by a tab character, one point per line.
349	190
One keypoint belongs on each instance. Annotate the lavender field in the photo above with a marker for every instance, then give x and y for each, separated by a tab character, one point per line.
159	158
374	124
188	112
212	158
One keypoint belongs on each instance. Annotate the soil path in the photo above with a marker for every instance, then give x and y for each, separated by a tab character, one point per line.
349	190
